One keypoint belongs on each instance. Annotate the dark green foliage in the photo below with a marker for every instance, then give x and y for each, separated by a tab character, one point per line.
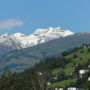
75	56
88	62
88	50
65	53
83	82
26	80
53	63
80	58
77	68
62	76
81	51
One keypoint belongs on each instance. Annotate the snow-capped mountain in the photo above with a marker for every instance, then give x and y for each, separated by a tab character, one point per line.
41	36
19	40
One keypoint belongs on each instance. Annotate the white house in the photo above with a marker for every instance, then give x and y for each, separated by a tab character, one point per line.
58	88
40	73
72	88
55	78
86	46
88	66
83	71
88	78
48	83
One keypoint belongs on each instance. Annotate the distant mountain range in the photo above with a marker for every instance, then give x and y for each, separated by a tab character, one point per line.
27	57
18	40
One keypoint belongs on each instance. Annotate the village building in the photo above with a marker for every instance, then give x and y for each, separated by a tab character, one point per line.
72	88
48	83
40	73
83	71
55	78
58	88
88	78
88	66
86	46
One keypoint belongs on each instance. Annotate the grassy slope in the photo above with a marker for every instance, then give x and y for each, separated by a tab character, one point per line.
69	67
63	83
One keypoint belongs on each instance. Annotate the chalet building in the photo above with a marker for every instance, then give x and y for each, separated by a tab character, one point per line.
58	88
40	73
83	71
55	78
86	46
48	83
88	66
88	78
72	88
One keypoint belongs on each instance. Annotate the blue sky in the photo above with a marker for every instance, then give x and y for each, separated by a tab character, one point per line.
28	15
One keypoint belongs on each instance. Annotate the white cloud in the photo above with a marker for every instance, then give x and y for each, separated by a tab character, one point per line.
11	23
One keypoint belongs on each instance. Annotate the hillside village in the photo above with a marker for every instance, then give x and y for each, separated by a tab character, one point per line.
83	73
68	71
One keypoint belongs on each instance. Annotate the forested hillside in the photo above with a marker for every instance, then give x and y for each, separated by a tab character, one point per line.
57	71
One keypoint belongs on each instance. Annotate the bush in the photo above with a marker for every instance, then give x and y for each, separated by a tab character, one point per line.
80	58
88	50
62	76
81	51
65	53
75	56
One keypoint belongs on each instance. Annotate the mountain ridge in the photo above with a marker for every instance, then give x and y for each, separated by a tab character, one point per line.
27	57
19	40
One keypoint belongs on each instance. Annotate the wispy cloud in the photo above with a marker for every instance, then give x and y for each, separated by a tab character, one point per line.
10	23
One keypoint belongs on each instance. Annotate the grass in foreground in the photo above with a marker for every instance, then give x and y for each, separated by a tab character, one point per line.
63	83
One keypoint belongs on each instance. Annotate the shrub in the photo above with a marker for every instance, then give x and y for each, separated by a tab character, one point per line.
81	51
88	50
75	56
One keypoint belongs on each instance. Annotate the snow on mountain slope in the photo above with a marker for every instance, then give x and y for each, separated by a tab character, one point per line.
8	43
7	40
19	40
51	33
41	36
